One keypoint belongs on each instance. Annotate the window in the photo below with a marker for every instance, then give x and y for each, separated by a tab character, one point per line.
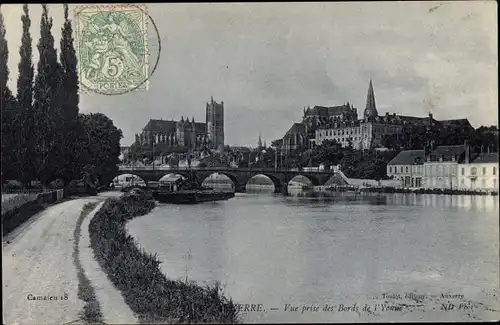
494	170
473	171
463	171
406	168
390	169
484	170
401	169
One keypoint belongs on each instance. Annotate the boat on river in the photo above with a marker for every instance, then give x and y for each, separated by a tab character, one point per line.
176	189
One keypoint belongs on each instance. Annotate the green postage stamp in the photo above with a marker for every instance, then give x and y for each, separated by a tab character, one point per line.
111	44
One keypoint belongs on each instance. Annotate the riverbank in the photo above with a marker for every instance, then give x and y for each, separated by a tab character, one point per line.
91	312
444	191
146	290
324	191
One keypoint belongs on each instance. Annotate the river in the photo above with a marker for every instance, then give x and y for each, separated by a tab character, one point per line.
409	253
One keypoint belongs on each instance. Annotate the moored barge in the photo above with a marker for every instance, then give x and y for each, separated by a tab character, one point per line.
177	190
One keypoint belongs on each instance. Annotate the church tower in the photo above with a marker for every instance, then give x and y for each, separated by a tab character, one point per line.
215	124
371	108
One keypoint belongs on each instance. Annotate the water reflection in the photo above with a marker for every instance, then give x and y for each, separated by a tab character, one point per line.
273	250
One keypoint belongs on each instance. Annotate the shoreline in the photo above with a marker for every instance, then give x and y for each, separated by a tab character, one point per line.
146	290
387	189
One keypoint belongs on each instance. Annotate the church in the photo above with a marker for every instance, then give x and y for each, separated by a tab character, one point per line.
341	123
184	135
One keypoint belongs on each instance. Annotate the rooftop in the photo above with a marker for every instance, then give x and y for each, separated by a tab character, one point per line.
463	122
327	111
168	127
486	158
408	157
296	128
447	152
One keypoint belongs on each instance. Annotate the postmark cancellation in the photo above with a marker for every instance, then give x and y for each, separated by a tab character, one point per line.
112	49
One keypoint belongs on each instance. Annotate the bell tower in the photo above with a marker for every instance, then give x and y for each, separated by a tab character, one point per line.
371	108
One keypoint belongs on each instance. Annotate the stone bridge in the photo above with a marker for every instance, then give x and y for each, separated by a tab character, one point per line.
239	176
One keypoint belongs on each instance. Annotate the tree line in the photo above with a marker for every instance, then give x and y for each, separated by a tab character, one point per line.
44	136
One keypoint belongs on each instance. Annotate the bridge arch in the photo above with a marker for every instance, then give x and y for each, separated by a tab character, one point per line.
309	180
170	175
278	183
272	179
232	178
127	179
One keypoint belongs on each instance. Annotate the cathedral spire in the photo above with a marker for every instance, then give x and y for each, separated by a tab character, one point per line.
259	143
371	108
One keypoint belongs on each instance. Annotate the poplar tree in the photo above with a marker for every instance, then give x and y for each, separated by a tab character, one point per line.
70	100
24	125
8	106
47	95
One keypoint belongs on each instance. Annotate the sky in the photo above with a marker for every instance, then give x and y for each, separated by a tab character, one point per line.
267	61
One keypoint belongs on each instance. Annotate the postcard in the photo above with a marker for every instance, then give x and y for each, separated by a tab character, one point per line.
328	162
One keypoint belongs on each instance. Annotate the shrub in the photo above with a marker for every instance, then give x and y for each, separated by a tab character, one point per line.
145	288
15	216
76	186
56	184
13	185
15	201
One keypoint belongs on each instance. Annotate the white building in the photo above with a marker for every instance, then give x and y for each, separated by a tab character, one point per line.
343	133
441	166
481	173
407	167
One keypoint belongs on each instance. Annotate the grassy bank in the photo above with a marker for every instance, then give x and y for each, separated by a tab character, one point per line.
91	313
153	297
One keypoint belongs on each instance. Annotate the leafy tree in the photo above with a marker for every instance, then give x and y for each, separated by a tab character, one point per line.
329	153
47	101
25	124
9	111
485	138
70	100
100	145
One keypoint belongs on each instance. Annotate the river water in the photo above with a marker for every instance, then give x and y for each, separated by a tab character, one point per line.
307	260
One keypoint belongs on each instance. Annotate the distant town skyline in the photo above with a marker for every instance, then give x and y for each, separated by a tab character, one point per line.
268	61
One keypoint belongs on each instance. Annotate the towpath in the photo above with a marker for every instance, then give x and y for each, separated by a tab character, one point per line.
38	263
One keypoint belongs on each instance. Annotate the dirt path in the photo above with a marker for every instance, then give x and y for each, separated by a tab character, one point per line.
38	263
113	306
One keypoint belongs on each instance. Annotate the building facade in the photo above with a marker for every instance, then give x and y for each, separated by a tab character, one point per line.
446	167
340	123
370	131
185	135
215	124
442	164
480	174
408	168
